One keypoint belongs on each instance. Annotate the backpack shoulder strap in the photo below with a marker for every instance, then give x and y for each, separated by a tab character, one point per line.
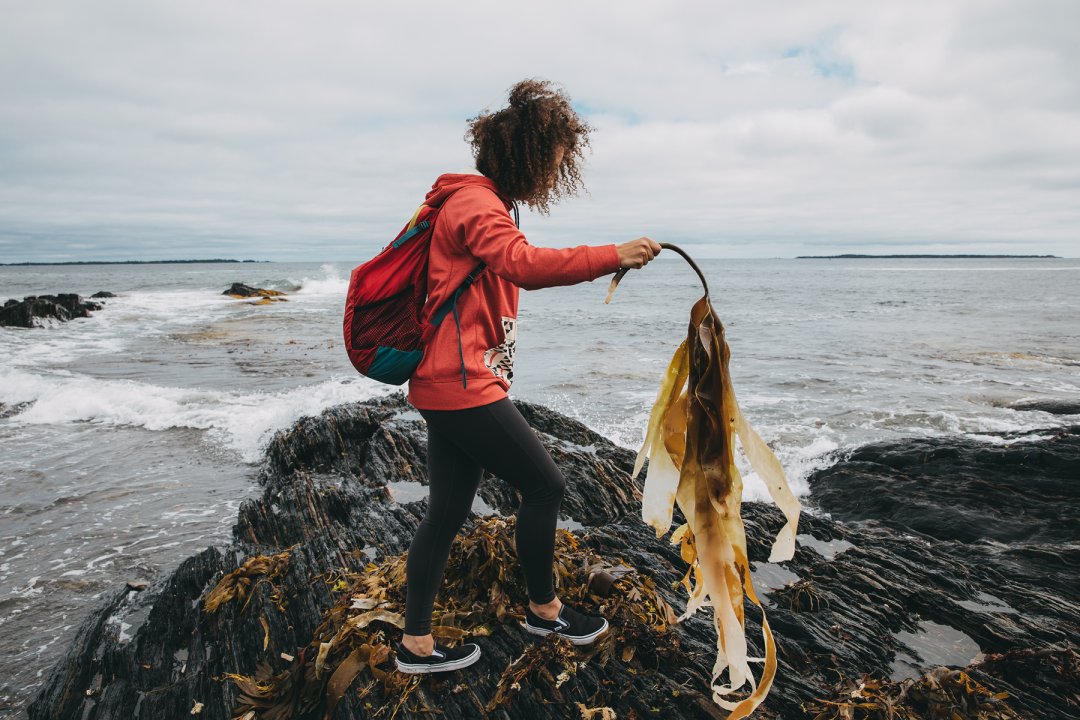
416	215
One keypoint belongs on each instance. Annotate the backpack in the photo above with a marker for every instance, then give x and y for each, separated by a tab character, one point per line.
384	334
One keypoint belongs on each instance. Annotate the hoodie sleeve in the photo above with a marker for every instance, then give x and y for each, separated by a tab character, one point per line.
479	218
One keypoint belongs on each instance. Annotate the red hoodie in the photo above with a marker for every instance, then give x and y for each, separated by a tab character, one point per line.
475	226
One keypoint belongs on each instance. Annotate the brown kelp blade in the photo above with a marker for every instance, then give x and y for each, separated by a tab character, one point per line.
690	442
615	283
662	479
768	468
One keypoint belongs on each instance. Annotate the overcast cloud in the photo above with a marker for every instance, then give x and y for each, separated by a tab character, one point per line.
311	130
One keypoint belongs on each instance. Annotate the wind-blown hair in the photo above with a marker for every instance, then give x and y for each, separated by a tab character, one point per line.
516	147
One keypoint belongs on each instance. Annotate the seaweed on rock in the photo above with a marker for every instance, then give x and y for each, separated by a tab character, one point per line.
941	694
482	590
239	584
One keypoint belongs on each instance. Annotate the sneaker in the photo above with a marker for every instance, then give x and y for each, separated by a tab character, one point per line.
576	627
441	660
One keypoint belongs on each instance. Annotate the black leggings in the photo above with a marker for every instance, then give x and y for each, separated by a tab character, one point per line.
461	444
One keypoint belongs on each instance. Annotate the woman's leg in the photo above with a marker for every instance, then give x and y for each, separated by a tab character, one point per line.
498	438
453	477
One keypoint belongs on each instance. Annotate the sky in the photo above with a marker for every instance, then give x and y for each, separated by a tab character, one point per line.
311	130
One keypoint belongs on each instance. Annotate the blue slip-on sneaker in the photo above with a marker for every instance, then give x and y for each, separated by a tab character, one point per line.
442	659
576	627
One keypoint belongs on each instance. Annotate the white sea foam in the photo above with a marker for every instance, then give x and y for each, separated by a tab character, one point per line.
332	283
974	421
150	313
62	345
798	463
126	318
238	421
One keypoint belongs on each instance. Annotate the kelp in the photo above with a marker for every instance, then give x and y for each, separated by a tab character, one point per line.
801	596
941	694
483	589
1053	669
241	583
690	443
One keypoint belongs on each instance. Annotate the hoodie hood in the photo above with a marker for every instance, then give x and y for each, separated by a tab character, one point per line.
447	184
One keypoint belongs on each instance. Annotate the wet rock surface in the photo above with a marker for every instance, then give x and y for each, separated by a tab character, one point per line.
1022	488
868	592
1002	526
1054	407
240	290
7	411
41	310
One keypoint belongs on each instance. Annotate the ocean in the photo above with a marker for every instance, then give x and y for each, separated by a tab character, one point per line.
130	438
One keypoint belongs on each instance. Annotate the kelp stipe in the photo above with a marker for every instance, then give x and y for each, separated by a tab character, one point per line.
690	443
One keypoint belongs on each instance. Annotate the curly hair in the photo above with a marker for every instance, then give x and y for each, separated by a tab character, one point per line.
517	146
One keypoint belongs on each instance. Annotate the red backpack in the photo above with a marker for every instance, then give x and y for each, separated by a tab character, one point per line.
384	334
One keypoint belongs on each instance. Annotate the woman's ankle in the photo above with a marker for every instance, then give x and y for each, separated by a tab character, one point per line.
418	644
548	610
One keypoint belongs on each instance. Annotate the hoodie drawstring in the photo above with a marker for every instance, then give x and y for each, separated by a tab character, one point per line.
461	353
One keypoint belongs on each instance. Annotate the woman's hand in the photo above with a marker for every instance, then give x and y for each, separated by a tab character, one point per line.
637	253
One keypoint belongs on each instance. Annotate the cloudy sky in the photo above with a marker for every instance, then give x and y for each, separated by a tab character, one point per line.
311	130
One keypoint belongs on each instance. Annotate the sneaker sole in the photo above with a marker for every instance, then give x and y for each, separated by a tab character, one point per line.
576	639
418	668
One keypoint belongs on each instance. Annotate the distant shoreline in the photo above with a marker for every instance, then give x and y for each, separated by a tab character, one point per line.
875	257
131	262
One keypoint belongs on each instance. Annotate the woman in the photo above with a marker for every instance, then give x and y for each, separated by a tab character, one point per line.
528	152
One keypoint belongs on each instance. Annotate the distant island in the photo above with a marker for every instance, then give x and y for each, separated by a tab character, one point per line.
875	257
130	262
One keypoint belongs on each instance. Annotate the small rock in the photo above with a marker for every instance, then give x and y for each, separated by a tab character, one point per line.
240	290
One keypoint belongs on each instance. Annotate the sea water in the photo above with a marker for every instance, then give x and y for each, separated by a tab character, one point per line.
129	439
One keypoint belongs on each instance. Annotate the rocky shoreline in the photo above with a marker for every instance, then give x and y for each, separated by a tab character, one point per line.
924	553
40	310
37	311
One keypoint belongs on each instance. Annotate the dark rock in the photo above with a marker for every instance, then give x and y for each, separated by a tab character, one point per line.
1055	407
1011	506
36	311
32	312
1022	489
102	294
240	290
7	411
74	304
1018	671
864	592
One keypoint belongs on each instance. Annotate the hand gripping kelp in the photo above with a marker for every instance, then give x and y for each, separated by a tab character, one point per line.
690	442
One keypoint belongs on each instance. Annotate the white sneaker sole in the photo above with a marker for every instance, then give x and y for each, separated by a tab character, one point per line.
577	640
417	668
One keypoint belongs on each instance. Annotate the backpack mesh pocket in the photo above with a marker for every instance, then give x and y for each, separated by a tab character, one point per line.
387	323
